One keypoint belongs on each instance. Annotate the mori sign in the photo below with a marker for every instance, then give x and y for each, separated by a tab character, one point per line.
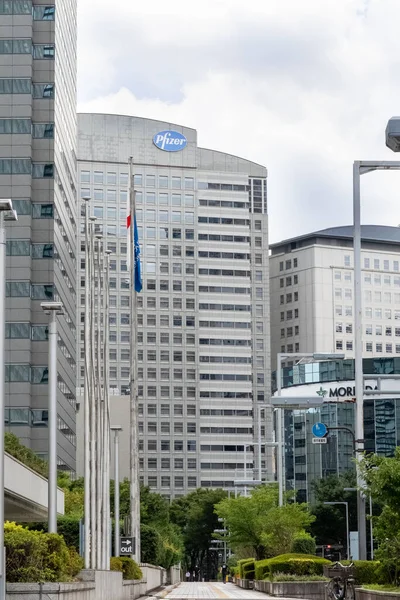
170	141
127	546
317	440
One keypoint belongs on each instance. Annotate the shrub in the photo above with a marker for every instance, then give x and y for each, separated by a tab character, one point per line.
248	569
75	564
37	556
130	568
241	563
115	563
288	577
13	446
304	543
367	571
294	564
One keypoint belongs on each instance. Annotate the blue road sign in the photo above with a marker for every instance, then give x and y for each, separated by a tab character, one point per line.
319	430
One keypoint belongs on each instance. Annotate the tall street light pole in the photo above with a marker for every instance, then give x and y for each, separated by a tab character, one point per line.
116	431
346	504
53	309
6	209
360	168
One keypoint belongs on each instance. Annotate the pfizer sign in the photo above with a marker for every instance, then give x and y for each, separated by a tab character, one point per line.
170	141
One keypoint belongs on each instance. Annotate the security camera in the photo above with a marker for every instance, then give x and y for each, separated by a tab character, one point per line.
393	134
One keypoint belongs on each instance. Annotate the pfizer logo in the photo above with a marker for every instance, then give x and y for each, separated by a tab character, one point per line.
170	141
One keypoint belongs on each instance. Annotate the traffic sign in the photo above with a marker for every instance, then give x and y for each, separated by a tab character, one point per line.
319	430
319	440
127	546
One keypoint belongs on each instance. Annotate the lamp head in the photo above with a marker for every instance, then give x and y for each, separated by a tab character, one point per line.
50	307
393	134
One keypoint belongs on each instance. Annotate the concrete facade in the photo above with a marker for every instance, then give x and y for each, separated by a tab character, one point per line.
312	292
38	172
203	315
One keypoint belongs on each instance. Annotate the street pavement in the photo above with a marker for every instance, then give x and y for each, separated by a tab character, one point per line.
198	591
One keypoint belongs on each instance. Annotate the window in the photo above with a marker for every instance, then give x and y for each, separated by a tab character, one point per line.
339	345
43	13
376	263
43	51
15	46
367	263
40	171
347	262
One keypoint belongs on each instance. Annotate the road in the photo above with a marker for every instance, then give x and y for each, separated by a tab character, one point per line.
198	591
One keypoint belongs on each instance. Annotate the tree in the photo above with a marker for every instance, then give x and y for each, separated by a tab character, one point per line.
257	522
195	516
329	526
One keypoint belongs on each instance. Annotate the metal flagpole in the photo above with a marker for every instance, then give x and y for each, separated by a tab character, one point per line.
99	413
93	413
134	471
87	384
107	401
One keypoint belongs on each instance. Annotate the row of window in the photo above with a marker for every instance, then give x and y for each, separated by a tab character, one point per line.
179	446
26	374
36	418
230	307
164	338
152	482
166	356
386	297
341	346
25	46
289	281
289	298
165	216
224	255
228	342
25	86
152	427
223	204
25	126
379	348
287	264
290	331
290	314
165	392
24	166
389	331
165	409
177	320
224	187
26	248
164	374
164	233
223	221
376	264
217	237
24	7
291	348
165	463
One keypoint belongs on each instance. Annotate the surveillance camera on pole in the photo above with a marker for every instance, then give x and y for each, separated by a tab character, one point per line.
393	134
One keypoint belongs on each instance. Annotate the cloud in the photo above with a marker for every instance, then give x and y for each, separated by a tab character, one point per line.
304	88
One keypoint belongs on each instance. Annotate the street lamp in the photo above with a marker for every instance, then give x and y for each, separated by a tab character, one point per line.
317	356
371	526
53	309
360	168
346	504
6	211
116	431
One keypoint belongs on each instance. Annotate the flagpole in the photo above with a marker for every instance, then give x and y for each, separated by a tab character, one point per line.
134	448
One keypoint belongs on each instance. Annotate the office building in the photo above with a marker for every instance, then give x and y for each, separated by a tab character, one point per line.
312	292
306	461
202	317
38	172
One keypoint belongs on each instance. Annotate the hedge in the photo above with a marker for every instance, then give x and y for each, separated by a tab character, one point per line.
33	556
367	571
245	561
294	564
129	568
249	569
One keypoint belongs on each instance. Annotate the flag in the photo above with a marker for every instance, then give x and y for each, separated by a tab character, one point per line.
136	252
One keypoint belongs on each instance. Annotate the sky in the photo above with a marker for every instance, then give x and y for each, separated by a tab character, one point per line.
304	87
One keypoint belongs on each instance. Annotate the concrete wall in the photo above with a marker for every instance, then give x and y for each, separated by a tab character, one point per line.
311	590
94	585
375	595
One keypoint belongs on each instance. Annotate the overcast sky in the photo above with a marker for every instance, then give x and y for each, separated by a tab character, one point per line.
304	87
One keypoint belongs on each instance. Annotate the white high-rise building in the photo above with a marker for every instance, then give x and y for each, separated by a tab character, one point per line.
312	292
203	315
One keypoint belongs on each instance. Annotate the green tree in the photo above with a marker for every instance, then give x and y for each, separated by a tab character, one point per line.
329	526
257	522
194	514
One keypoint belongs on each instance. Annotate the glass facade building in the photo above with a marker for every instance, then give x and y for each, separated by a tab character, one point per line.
304	461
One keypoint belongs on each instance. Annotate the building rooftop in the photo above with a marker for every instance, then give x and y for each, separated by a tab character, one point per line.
369	233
